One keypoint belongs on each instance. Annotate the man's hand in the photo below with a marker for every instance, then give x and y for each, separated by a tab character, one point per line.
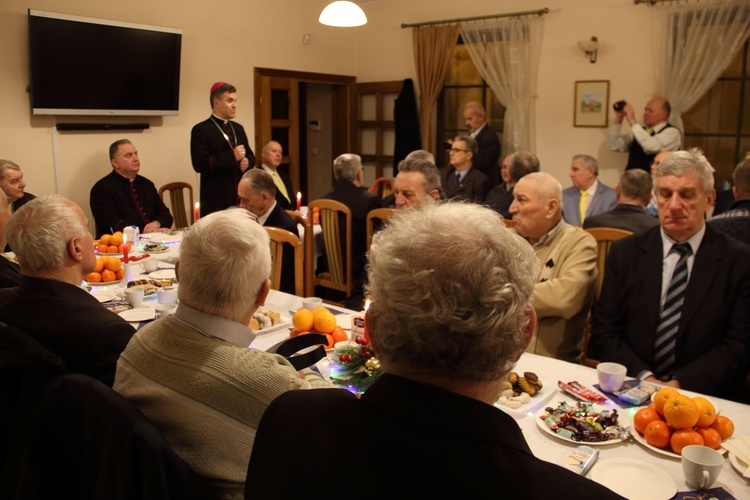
629	113
672	383
151	227
239	152
244	164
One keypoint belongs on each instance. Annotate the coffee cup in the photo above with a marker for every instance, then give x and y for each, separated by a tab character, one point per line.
166	295
311	303
164	310
134	296
150	265
611	376
701	466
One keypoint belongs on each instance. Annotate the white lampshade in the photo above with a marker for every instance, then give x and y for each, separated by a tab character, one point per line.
343	14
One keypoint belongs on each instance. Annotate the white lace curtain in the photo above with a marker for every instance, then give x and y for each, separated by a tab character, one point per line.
506	53
693	45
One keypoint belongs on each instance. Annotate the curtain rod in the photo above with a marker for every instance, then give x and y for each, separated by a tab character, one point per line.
539	12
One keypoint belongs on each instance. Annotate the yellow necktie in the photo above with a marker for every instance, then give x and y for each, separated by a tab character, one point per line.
582	205
280	186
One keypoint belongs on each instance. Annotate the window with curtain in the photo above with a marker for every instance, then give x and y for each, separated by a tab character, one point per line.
463	84
719	123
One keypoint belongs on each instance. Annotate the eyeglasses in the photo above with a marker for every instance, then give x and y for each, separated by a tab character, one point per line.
458	150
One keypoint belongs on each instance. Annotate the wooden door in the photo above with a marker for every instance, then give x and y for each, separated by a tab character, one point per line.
374	131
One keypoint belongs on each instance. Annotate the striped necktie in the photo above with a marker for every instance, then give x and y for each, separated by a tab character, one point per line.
669	317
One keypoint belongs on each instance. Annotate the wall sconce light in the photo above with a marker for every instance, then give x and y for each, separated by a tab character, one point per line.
343	14
589	47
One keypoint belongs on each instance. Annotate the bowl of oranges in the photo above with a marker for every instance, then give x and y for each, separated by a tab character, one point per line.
108	270
110	244
674	420
320	320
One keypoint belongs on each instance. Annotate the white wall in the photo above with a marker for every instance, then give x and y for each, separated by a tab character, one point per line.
226	40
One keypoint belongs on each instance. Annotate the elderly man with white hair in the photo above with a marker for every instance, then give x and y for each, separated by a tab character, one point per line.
566	285
192	373
55	252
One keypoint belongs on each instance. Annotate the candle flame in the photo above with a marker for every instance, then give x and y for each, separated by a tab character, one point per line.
367	304
124	237
197	205
299	195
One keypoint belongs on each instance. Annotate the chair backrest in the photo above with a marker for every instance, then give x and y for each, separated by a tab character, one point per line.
604	237
382	187
87	441
308	249
336	224
377	216
279	237
183	216
509	223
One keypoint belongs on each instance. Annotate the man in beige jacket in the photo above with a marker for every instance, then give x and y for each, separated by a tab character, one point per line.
565	291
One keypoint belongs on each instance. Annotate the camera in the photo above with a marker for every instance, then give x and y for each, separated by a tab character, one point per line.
619	106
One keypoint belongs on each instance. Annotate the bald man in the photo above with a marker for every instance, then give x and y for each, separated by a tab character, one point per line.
488	154
643	142
565	290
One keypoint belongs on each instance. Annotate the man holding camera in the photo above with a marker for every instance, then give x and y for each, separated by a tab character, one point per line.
643	142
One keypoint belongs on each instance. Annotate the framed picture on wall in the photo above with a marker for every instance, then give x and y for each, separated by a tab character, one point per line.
591	103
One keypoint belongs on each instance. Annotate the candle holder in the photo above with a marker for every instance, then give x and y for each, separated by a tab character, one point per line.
127	275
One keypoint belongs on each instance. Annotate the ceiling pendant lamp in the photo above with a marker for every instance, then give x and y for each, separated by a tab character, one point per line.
343	14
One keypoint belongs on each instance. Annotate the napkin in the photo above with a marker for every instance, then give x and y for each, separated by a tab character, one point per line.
740	447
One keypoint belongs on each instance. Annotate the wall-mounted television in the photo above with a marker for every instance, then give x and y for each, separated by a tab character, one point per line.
86	66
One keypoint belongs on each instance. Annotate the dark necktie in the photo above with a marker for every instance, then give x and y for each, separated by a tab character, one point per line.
669	317
229	134
458	178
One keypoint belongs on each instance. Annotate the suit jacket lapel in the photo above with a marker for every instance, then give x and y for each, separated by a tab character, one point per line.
651	271
702	276
575	196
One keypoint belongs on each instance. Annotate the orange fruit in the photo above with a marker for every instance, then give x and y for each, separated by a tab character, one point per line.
120	273
121	248
113	264
724	426
711	437
651	406
93	277
706	411
330	341
104	239
684	437
101	248
113	249
99	266
661	397
303	319
293	332
644	417
116	239
325	322
339	335
681	412
657	434
319	310
108	276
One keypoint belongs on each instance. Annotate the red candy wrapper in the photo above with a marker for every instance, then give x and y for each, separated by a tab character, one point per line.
581	392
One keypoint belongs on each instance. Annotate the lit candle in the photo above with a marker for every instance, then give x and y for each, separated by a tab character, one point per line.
366	336
196	212
299	200
125	248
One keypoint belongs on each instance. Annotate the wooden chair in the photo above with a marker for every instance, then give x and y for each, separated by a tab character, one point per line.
335	219
308	250
183	216
278	238
379	214
604	236
509	223
382	187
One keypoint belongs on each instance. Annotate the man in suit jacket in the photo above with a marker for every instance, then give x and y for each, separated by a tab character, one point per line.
567	283
736	221
710	349
220	151
488	145
598	198
460	179
444	357
633	194
271	156
257	194
517	165
55	251
12	185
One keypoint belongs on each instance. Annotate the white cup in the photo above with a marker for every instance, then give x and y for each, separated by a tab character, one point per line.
611	376
134	296
701	466
167	295
150	265
311	303
164	310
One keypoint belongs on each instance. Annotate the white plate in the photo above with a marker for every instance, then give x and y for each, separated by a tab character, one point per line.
162	274
161	238
165	250
634	478
104	296
738	464
540	398
622	421
138	314
101	283
642	440
109	254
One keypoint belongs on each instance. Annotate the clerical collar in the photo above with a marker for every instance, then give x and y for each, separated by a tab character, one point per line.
220	120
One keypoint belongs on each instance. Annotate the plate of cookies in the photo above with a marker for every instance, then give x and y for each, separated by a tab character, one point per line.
524	392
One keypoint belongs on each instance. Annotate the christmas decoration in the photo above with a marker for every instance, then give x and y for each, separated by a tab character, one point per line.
355	366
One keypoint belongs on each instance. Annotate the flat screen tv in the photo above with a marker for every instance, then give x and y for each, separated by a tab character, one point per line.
86	66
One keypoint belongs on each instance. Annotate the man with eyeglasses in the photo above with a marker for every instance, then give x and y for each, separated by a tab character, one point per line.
459	179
